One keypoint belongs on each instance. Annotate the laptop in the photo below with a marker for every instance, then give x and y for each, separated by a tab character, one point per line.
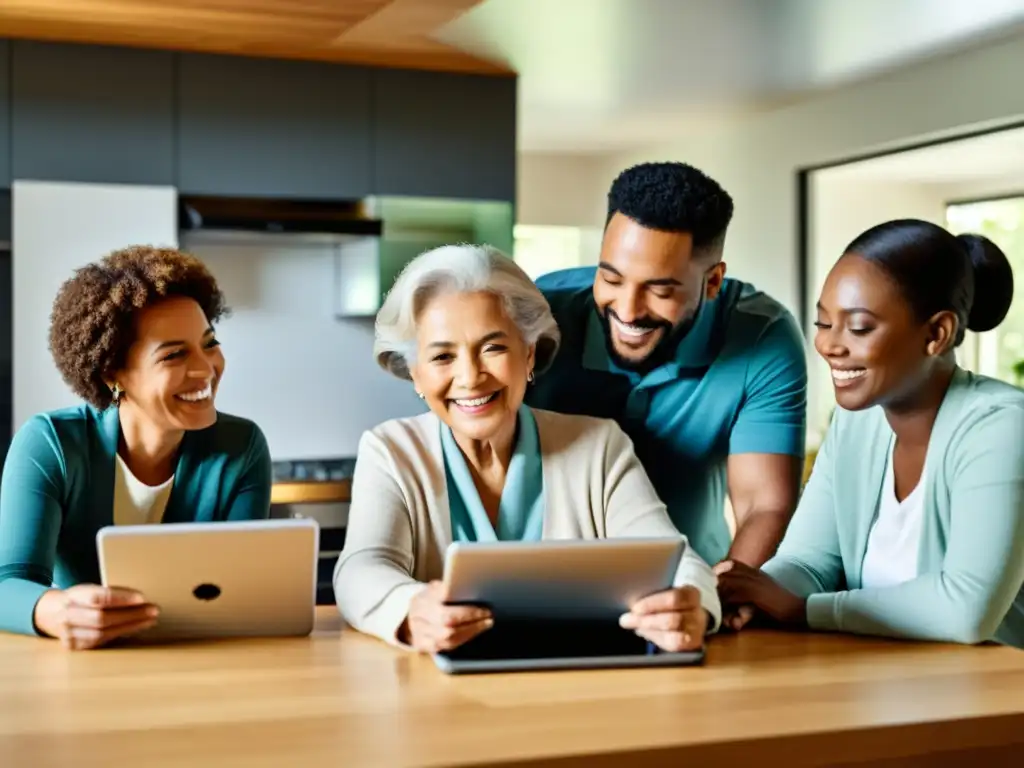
213	580
557	604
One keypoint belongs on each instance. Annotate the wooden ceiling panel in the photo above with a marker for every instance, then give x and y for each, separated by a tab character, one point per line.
377	32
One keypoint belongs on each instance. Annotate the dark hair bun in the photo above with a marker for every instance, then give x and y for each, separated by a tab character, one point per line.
993	283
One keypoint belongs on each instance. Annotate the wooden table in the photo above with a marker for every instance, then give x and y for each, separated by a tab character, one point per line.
339	700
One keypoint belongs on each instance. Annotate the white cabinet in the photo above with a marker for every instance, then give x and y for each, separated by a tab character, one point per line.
57	228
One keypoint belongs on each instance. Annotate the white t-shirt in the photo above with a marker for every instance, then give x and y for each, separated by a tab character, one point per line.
895	538
136	503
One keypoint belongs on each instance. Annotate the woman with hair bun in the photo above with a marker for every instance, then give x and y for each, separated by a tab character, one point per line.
912	523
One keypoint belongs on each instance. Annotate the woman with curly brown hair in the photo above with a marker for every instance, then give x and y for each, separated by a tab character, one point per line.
133	336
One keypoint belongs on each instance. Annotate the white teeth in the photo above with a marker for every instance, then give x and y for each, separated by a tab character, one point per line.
477	400
847	375
195	397
631	330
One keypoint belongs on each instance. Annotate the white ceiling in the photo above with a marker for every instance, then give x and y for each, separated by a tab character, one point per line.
994	157
603	75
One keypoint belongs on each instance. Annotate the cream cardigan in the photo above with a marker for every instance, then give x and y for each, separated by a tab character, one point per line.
399	524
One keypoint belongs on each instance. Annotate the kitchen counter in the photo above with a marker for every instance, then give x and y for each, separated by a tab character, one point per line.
341	698
313	481
311	492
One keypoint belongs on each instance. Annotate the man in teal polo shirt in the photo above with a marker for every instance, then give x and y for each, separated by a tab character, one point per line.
705	373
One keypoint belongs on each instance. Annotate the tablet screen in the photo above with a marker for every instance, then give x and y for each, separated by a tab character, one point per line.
552	639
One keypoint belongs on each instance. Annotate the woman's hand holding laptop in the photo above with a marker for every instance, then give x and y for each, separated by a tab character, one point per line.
674	619
89	616
433	627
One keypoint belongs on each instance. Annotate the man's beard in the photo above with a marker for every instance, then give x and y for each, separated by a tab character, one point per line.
666	346
662	351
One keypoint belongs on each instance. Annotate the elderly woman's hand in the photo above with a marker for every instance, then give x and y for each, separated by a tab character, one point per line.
743	587
674	620
433	627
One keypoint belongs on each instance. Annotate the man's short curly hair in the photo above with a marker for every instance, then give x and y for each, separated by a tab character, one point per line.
674	197
92	324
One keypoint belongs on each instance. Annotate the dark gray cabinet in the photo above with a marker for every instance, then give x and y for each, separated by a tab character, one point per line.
6	212
242	126
91	113
444	135
5	115
283	128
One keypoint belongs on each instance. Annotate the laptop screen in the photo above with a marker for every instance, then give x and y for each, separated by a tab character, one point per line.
552	639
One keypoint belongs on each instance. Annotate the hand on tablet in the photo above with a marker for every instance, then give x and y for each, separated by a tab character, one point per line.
89	616
674	620
432	626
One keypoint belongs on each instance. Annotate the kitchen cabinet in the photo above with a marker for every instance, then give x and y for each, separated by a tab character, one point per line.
91	114
441	134
5	117
5	218
262	127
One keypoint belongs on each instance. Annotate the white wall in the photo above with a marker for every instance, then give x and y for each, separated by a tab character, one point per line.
560	211
307	378
1010	185
57	228
561	190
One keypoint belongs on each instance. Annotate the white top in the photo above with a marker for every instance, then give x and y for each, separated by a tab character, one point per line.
136	503
895	538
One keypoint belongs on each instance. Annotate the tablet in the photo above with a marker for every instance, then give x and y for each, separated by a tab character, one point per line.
557	604
224	579
527	646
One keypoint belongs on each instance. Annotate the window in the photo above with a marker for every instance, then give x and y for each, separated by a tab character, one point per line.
543	249
998	353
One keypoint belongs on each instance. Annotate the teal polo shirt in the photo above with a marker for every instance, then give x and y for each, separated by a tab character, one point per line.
737	383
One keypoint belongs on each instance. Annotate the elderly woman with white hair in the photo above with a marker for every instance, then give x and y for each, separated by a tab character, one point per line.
471	331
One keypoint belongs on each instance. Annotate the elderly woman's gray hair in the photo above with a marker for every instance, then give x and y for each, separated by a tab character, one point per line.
461	269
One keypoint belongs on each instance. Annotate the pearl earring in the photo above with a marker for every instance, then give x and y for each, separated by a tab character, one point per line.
530	377
116	393
420	395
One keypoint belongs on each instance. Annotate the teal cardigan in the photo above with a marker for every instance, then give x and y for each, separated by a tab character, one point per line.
971	557
58	491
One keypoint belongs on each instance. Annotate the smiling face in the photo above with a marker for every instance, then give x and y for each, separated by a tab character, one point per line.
879	351
173	366
648	286
471	364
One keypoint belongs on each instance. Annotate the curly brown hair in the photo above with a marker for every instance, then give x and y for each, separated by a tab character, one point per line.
92	323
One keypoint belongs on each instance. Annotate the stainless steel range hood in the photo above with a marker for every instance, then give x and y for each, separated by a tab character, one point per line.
372	239
204	217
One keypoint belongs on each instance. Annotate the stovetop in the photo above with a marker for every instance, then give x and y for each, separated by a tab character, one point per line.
314	470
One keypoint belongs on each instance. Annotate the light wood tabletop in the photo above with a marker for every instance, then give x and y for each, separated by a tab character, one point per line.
342	699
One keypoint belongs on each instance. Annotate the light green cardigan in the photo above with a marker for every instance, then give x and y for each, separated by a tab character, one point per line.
971	561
